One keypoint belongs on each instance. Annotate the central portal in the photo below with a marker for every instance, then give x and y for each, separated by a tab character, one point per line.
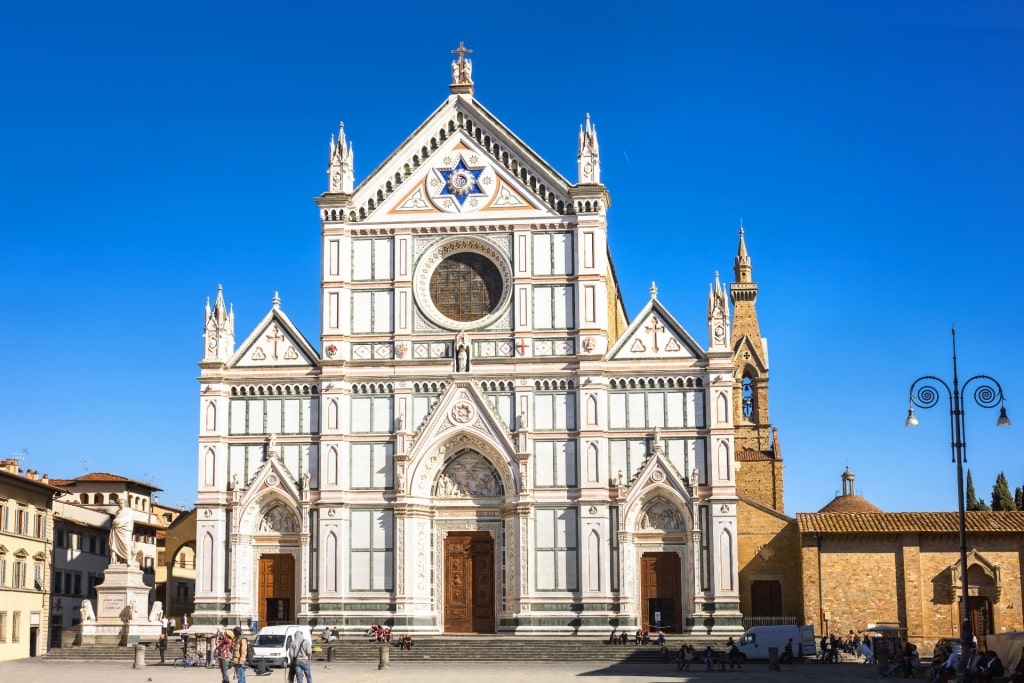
661	595
469	582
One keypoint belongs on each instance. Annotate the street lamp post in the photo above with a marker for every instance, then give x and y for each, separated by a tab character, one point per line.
924	393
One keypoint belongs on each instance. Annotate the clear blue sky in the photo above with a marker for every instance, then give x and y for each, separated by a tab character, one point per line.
153	150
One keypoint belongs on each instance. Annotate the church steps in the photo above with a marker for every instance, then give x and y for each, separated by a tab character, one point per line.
438	648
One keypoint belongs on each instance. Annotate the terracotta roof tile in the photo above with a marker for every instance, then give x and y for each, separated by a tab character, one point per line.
850	503
105	477
754	456
904	522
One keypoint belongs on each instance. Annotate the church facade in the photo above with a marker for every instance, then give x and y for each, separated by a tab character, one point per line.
479	441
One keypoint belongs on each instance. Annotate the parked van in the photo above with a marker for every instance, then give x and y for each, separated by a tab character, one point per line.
273	643
755	642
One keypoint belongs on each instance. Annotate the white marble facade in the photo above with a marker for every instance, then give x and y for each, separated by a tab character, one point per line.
475	374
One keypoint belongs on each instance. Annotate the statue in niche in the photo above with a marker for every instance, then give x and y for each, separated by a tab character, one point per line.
694	477
305	480
271	446
524	421
461	353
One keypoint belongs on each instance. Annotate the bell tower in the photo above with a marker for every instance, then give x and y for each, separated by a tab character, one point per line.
760	475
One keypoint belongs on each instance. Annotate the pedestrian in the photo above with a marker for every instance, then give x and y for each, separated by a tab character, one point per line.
239	654
163	624
300	653
223	651
161	645
184	621
170	625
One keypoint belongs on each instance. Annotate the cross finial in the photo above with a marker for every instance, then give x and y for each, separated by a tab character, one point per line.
462	51
462	71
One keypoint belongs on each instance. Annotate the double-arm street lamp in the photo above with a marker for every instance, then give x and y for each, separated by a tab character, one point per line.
987	393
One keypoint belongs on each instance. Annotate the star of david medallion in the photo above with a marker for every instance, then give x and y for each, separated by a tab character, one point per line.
458	181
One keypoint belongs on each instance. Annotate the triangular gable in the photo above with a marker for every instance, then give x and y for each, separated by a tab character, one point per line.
461	161
748	353
272	476
462	407
658	478
655	334
275	342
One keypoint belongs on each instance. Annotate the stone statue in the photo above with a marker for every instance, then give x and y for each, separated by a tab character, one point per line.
694	477
271	446
524	420
234	481
157	612
462	354
121	535
86	613
305	480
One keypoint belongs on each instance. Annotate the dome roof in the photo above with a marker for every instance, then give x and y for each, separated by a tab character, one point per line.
850	503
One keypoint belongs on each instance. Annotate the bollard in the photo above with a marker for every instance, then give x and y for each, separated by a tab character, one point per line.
773	659
385	657
140	656
330	653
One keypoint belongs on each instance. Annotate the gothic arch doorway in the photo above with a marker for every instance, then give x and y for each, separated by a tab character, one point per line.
276	592
468	487
469	582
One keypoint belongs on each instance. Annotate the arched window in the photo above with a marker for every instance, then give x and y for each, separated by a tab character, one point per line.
748	398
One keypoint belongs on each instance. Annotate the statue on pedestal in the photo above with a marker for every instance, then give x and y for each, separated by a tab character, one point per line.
121	535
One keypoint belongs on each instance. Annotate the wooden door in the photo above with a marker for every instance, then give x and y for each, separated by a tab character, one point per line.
661	592
276	590
766	599
469	583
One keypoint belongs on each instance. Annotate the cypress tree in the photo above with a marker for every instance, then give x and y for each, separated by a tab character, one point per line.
972	499
1018	498
1002	499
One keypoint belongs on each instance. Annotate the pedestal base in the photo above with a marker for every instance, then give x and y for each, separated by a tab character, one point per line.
121	611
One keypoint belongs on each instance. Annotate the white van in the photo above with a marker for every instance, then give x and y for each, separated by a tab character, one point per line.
273	643
757	639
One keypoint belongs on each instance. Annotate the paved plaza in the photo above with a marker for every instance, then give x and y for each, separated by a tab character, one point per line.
41	670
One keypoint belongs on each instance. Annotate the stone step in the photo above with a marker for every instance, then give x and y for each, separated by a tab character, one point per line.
439	648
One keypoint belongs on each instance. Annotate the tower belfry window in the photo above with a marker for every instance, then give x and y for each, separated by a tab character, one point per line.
748	398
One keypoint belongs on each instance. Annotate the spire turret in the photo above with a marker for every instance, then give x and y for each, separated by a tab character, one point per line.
742	267
588	158
341	169
718	317
219	332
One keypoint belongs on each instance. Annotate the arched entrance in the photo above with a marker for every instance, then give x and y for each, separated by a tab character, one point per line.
468	487
469	582
276	597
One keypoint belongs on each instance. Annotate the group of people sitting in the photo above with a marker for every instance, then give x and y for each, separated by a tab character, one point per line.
903	665
981	666
330	634
382	634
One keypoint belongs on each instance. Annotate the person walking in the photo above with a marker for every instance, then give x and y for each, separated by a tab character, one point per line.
301	652
161	645
239	654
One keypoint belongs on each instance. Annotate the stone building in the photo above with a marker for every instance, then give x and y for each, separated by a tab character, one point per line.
479	440
861	565
26	525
